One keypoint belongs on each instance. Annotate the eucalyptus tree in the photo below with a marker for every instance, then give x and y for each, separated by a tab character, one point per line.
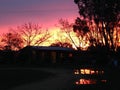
104	13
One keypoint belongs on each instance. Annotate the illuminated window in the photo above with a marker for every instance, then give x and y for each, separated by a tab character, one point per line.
88	71
76	72
92	72
82	71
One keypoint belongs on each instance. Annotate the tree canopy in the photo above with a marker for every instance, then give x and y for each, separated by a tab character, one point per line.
32	34
12	41
105	14
100	10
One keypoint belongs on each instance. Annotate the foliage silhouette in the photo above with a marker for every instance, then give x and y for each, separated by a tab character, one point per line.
32	34
106	13
12	41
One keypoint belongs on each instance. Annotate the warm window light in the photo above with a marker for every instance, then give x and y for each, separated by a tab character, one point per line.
102	72
88	71
92	72
96	72
76	72
82	71
85	71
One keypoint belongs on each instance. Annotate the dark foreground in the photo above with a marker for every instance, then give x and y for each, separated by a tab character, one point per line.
51	78
13	77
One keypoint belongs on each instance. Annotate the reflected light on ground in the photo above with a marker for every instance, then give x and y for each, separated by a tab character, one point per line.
88	81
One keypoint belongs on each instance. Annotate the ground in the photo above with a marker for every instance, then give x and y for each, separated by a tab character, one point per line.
35	78
44	78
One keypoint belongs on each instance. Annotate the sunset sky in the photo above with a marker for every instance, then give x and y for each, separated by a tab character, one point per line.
44	12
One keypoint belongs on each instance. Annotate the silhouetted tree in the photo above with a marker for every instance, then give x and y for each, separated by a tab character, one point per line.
11	41
80	39
80	27
67	28
106	15
61	44
32	34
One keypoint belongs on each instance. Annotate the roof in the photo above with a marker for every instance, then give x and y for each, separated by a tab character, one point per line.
52	48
